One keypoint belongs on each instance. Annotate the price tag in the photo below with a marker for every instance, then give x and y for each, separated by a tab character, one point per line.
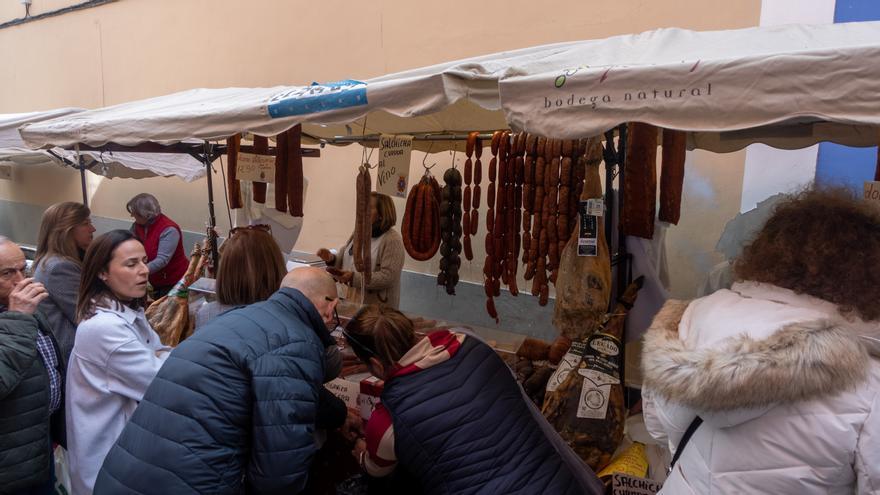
255	168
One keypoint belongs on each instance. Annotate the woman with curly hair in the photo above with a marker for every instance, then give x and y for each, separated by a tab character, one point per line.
773	386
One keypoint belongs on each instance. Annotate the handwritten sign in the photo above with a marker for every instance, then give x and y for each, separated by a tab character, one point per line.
255	168
872	192
624	484
393	174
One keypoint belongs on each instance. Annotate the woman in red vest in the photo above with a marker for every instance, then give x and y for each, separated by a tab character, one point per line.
163	241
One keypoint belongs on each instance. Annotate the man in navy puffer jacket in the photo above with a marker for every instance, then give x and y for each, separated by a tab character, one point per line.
233	409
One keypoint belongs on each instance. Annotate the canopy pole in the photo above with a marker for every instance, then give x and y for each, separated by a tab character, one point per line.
212	221
82	176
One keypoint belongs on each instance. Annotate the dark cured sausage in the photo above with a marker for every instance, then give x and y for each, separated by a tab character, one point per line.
261	147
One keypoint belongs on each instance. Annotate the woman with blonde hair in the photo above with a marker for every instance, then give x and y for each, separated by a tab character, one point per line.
452	417
65	233
387	253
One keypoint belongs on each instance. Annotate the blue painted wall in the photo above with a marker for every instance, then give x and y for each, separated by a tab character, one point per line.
843	165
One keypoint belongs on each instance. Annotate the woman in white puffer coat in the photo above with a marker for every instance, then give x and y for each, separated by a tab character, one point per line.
783	368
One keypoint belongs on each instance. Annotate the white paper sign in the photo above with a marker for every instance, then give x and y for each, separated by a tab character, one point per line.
255	168
393	173
345	390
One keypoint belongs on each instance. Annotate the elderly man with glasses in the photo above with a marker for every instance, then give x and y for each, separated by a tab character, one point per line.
31	381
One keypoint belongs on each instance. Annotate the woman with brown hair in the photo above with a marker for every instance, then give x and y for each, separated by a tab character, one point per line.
387	253
774	384
65	234
251	269
453	417
115	355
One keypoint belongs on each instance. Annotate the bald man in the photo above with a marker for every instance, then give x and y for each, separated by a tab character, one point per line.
233	409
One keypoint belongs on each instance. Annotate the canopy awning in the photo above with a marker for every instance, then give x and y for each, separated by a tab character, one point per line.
108	164
789	87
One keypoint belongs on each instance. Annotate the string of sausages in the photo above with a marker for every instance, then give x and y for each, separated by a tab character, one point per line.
421	220
363	228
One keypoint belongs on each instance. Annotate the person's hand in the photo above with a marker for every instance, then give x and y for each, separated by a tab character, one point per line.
26	296
353	427
341	276
360	449
325	255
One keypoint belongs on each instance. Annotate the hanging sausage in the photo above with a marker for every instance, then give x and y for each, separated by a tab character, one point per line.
281	172
295	179
421	220
450	230
261	147
640	181
233	145
672	176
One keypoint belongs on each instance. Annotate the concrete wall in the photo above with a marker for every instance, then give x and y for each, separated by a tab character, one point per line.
135	49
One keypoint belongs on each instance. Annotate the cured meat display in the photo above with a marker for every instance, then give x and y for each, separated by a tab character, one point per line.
261	147
672	175
584	399
640	182
295	180
473	172
233	185
281	171
450	230
169	315
363	229
583	287
421	220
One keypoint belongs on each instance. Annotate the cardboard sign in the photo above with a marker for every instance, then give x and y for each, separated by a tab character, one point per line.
393	173
255	168
345	390
624	484
872	192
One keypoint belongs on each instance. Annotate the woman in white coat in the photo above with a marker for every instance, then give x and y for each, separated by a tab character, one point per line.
115	354
782	369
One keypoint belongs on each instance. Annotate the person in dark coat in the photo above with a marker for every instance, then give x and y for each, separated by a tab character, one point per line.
233	410
31	381
453	418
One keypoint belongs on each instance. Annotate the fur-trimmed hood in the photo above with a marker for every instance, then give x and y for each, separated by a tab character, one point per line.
753	346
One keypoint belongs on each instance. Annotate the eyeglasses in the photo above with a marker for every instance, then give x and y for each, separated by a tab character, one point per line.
355	342
261	227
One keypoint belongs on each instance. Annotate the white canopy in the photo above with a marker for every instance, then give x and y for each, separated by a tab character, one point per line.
788	87
126	165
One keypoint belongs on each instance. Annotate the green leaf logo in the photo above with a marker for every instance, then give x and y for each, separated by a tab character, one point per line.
560	81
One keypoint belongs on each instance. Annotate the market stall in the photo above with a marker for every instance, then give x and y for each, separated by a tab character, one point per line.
547	123
125	164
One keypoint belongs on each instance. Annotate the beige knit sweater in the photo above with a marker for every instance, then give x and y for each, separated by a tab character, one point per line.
384	286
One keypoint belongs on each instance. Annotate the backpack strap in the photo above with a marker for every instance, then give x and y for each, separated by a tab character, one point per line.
685	439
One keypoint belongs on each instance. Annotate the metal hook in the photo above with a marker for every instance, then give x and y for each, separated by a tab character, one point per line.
425	159
453	158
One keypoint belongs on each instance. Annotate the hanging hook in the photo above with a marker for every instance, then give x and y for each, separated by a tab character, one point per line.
425	159
453	158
